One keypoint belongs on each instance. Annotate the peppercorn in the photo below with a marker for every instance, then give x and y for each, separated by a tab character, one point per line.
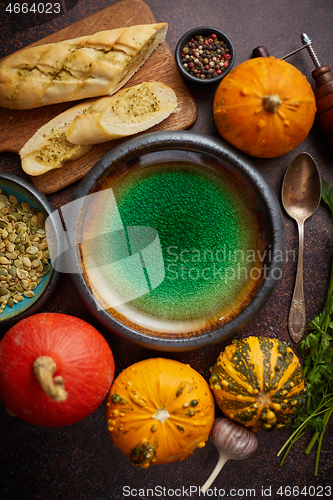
205	57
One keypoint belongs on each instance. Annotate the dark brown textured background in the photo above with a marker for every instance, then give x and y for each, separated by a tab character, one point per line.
79	462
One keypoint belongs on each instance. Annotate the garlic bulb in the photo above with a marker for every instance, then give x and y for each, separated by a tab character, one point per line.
233	441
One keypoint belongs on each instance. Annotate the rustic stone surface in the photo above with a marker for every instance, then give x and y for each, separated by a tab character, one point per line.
79	462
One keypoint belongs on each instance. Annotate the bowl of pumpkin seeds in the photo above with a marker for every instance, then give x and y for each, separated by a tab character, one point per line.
27	277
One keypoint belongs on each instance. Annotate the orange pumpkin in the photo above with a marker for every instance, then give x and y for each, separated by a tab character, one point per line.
159	411
265	107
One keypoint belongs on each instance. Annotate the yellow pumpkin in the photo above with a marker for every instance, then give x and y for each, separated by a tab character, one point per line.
159	411
265	107
258	382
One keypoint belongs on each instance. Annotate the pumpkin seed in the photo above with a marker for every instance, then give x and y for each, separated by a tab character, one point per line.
11	255
24	256
46	268
9	244
25	284
25	206
12	271
17	297
20	210
43	246
10	302
12	198
26	262
21	273
32	249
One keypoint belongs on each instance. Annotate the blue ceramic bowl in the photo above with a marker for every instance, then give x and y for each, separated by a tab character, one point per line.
24	191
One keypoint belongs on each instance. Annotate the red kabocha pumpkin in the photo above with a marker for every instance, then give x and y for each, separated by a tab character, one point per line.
55	369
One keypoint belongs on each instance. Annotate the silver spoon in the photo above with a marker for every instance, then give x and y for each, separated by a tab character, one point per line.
301	194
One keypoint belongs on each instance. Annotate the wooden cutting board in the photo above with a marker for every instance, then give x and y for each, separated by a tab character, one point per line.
17	126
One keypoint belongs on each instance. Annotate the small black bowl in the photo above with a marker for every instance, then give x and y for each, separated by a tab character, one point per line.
205	32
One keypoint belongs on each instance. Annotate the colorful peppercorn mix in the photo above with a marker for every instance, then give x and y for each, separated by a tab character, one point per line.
205	57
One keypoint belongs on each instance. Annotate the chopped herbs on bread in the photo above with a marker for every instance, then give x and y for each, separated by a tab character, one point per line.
71	134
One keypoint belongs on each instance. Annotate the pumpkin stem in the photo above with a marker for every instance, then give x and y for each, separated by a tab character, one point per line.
271	103
44	368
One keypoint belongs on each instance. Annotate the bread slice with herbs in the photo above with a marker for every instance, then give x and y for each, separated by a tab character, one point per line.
73	133
128	112
80	68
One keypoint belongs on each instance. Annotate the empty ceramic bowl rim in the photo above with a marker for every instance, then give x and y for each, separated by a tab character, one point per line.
199	143
203	31
47	207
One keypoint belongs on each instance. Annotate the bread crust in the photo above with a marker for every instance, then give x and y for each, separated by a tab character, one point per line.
129	111
72	133
88	66
45	150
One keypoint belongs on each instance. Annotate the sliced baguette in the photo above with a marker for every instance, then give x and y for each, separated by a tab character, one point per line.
102	119
128	112
84	67
49	147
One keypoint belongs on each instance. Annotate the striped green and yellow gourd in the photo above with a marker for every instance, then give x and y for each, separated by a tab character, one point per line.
258	382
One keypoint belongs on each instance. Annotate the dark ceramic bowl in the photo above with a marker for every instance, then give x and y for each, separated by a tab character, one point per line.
26	192
179	240
204	32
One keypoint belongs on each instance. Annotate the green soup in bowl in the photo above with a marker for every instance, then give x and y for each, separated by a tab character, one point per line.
179	243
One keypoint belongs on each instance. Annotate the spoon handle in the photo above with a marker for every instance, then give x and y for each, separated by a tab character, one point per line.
297	316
